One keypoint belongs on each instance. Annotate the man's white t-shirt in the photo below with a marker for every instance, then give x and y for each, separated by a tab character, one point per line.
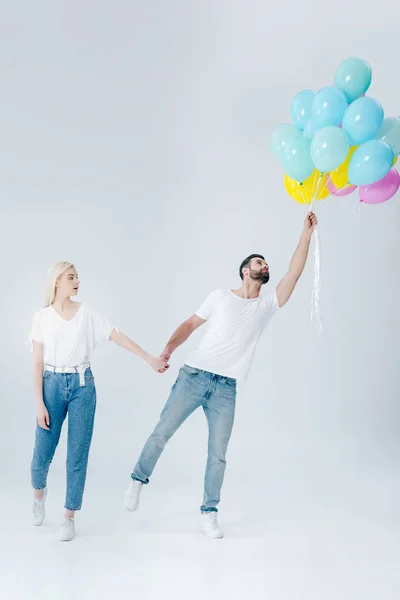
69	343
234	328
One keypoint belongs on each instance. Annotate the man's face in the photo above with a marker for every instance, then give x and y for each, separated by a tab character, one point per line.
259	270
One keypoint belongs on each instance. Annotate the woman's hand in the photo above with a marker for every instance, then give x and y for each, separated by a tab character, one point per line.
43	417
158	364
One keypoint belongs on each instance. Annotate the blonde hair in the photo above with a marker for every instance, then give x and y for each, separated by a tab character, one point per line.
53	275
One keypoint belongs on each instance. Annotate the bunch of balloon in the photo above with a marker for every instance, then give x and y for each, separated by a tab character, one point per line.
338	141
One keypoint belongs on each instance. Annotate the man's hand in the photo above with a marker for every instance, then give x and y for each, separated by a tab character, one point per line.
310	223
165	356
158	364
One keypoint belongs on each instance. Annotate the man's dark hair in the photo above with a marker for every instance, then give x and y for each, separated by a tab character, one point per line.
246	263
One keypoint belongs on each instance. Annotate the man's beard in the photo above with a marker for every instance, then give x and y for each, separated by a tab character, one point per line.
262	277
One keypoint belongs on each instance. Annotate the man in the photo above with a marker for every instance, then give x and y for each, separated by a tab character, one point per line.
208	379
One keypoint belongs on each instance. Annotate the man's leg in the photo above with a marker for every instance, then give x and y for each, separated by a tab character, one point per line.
220	413
186	396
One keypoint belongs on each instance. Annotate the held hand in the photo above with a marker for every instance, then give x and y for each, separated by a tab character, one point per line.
43	418
165	356
159	365
310	223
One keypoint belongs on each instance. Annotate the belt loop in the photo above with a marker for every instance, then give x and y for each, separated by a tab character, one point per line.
81	369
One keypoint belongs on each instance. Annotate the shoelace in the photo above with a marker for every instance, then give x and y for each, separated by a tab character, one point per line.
36	506
212	520
67	524
135	490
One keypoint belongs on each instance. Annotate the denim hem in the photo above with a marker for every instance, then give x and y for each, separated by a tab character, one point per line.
145	482
39	489
70	508
206	510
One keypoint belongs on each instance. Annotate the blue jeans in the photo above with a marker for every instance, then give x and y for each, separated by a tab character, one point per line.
217	396
62	394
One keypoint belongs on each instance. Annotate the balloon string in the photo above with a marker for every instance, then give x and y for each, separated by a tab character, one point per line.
332	194
316	292
325	179
316	319
303	199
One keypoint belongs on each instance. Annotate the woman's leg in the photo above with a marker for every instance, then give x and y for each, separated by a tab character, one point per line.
47	440
81	412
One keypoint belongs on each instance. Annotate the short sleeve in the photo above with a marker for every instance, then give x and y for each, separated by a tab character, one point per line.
271	303
36	333
206	309
102	327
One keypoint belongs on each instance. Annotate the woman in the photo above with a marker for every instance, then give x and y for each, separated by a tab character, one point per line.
63	337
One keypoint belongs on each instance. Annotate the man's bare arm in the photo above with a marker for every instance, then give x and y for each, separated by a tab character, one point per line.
297	264
181	334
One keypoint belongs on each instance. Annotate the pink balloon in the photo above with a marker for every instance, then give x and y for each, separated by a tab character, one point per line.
381	190
343	192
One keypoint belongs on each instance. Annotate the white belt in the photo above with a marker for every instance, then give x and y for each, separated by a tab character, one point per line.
79	369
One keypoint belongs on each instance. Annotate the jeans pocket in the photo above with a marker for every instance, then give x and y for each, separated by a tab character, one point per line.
47	375
192	371
231	382
89	375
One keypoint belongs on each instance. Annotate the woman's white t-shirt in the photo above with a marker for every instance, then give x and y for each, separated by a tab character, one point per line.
69	343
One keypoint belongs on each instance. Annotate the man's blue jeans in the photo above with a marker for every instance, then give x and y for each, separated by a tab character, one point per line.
217	396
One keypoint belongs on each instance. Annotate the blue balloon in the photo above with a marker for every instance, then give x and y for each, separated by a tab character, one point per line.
281	136
301	107
328	107
370	162
390	133
362	120
309	129
296	159
329	148
353	77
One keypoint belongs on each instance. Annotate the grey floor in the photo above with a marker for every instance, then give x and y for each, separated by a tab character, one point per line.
288	536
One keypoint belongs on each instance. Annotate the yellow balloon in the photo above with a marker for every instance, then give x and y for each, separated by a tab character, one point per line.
395	161
317	184
313	188
340	176
296	190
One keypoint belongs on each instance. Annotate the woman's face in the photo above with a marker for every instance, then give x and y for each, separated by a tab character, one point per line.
68	284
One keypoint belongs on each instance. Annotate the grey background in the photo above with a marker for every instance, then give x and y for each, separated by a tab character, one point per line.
135	143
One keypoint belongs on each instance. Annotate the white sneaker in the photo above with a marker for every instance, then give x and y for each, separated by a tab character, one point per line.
39	509
67	530
132	495
209	524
